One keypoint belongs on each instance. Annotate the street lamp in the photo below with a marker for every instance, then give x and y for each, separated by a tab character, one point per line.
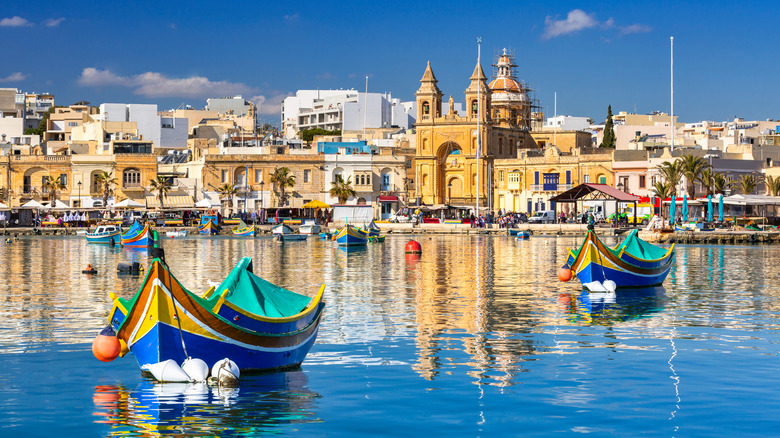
620	186
262	203
79	194
246	185
449	192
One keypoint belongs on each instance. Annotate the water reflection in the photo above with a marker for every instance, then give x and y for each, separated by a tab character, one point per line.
262	404
609	308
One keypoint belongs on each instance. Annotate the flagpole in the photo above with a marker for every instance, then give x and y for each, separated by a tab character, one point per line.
671	83
479	123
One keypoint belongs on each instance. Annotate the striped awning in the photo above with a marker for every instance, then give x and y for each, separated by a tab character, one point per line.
173	201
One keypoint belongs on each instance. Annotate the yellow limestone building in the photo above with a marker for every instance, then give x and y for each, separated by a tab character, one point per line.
445	167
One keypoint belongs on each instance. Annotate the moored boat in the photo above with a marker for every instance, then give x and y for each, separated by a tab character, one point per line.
209	227
104	234
351	236
633	263
371	229
281	229
291	237
309	226
256	324
244	230
137	236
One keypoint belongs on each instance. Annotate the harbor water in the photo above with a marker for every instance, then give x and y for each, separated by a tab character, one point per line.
474	337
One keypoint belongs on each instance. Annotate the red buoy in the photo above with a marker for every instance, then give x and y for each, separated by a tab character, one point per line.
564	274
413	247
106	346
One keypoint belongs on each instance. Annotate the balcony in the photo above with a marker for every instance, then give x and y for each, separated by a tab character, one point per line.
550	187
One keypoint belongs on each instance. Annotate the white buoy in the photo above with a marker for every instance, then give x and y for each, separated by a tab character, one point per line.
609	285
166	371
196	369
226	372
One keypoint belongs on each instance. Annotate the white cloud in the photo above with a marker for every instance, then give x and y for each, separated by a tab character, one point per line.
293	17
53	22
575	21
634	28
15	21
14	77
578	20
152	84
271	105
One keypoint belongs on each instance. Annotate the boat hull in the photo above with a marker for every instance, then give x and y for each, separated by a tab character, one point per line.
309	229
208	228
351	236
104	238
281	229
211	328
246	232
137	238
292	237
596	262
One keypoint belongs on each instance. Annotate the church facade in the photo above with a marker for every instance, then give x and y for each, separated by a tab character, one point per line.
448	168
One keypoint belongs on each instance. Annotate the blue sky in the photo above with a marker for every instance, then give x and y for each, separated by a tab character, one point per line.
591	54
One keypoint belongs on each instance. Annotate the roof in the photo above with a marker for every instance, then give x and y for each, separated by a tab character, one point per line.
594	191
173	201
505	84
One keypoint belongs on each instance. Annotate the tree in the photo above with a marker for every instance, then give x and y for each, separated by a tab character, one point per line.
747	183
308	134
772	185
54	185
707	181
692	167
721	183
106	181
227	191
608	141
342	189
281	180
663	190
672	173
161	185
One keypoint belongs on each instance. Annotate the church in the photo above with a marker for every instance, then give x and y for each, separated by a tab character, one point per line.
449	168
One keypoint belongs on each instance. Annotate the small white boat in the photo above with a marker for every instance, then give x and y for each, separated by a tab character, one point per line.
81	232
281	229
180	233
309	226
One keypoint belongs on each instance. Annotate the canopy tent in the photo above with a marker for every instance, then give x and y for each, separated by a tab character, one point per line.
172	202
315	204
58	205
208	203
593	191
33	204
128	203
3	206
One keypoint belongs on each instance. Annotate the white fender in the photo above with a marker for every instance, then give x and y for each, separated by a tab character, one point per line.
610	285
226	372
167	371
595	286
196	369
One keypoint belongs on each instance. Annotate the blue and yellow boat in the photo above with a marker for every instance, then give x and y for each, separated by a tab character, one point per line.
351	236
633	263
137	236
372	229
244	230
209	225
254	323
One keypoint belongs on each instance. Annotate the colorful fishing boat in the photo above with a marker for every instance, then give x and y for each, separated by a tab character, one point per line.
244	230
254	323
105	234
137	236
632	263
209	225
281	229
351	236
372	229
376	239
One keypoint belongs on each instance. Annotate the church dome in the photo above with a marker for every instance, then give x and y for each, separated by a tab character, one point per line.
504	84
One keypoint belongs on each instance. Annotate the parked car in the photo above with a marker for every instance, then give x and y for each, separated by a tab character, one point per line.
542	217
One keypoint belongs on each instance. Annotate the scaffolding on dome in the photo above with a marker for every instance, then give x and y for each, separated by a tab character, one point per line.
505	108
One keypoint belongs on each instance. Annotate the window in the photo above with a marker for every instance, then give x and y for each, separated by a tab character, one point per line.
131	178
641	181
426	108
368	178
474	107
258	176
586	178
501	175
64	179
514	177
225	175
602	179
568	177
306	175
385	182
73	124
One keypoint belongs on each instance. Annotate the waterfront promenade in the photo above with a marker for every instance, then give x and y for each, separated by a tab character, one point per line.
684	237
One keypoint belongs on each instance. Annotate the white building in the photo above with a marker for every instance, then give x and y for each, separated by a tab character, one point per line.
166	132
345	110
567	123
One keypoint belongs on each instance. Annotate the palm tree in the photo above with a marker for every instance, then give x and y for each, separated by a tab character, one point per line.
342	189
672	173
663	190
747	183
707	180
54	185
282	179
721	183
692	167
106	181
161	185
772	185
227	191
